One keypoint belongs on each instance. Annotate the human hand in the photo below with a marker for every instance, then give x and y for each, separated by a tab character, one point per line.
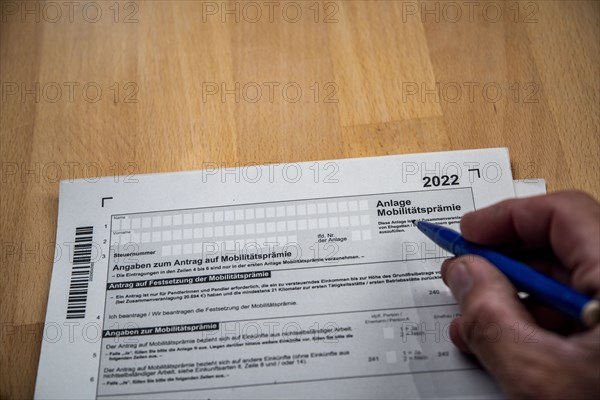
531	350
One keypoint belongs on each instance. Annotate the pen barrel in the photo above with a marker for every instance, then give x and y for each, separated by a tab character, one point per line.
526	279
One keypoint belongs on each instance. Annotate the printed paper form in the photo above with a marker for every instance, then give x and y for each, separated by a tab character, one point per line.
295	280
529	187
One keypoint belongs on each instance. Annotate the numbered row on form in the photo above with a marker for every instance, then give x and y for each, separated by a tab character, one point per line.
241	213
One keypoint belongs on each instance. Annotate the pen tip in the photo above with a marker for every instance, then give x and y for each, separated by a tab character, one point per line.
414	221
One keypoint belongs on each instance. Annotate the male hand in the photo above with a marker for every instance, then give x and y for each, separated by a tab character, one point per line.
531	350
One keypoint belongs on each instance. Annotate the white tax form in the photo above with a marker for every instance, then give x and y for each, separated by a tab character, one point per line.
303	280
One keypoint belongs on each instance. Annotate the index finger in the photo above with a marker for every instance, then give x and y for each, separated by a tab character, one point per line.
568	222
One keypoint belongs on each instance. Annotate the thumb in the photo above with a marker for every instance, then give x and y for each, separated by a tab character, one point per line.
494	325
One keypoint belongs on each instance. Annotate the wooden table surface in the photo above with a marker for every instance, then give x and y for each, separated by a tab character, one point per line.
95	88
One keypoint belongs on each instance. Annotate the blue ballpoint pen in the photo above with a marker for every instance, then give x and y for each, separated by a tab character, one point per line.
525	278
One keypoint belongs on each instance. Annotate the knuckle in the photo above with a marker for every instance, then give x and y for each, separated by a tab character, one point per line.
482	308
577	195
480	321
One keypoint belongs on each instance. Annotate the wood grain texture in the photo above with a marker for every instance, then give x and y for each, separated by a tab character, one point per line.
360	78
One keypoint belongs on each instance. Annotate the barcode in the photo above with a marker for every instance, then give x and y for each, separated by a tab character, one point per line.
80	274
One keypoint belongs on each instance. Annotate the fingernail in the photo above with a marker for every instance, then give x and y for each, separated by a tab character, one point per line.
459	280
444	268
